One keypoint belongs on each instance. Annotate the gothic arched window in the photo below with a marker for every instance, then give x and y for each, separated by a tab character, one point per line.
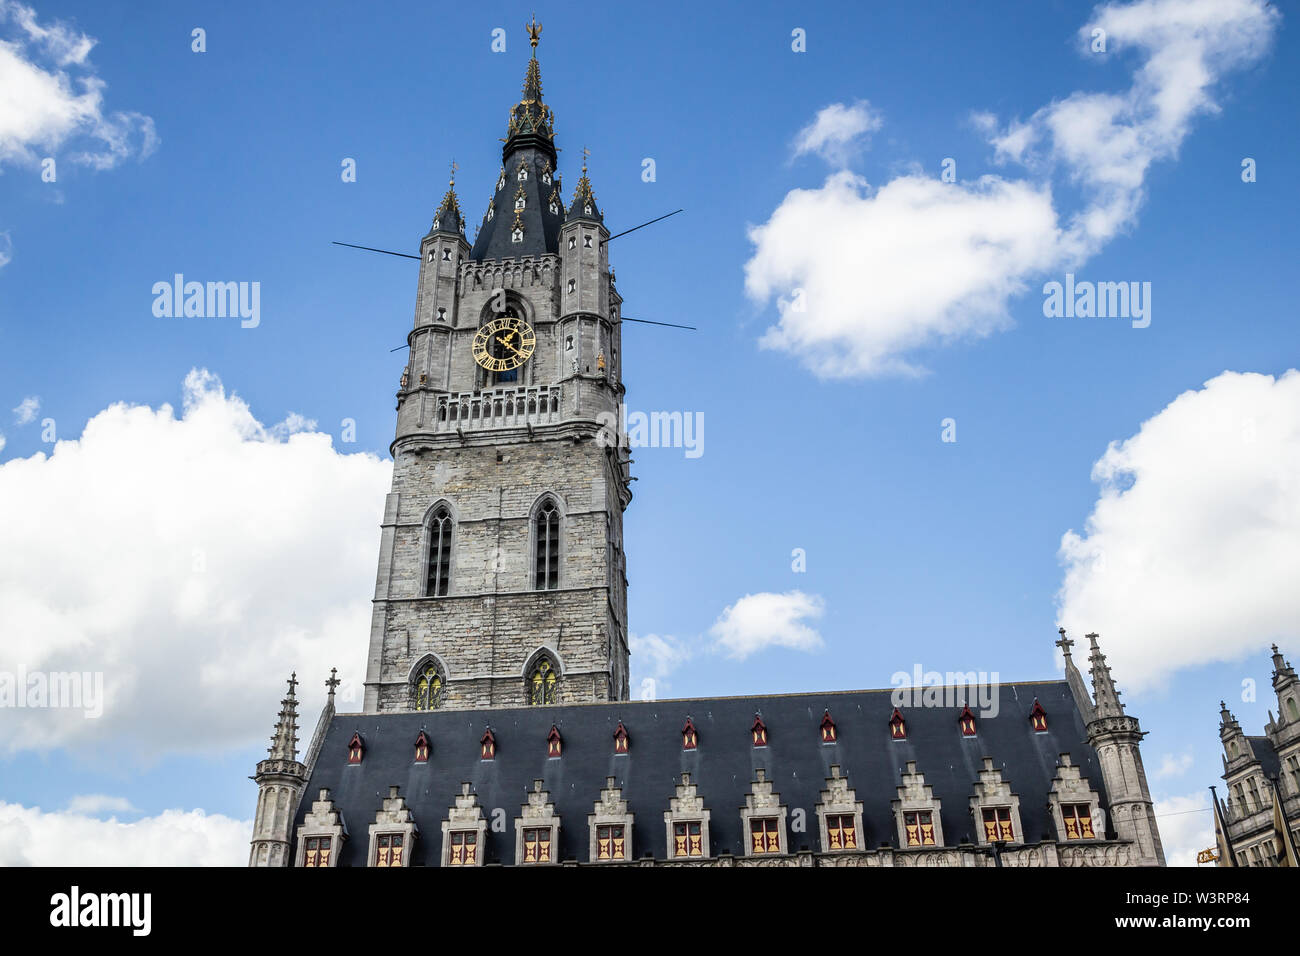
439	572
541	682
429	688
546	567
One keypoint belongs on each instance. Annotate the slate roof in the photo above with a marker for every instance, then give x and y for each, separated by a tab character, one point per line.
1263	750
723	766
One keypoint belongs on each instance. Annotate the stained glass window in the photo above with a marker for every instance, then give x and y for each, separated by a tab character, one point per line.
918	828
840	832
547	570
997	824
541	682
537	845
388	850
464	848
439	572
764	835
687	840
610	844
428	688
317	851
1078	821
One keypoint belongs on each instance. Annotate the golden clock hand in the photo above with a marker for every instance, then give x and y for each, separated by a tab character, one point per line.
509	346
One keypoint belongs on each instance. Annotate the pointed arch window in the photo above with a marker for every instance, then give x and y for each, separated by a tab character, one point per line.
356	749
542	681
897	726
429	687
488	745
422	748
441	529
620	739
554	743
759	731
690	739
1038	717
546	527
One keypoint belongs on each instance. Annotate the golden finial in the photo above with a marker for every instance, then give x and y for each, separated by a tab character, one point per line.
534	33
585	153
454	167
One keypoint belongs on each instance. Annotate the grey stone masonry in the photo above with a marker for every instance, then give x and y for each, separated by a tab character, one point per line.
493	453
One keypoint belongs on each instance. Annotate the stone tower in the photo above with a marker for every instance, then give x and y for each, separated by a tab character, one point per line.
280	779
502	578
1117	738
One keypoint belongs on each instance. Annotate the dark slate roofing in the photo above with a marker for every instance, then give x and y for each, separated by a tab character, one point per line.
1262	747
723	766
447	218
541	226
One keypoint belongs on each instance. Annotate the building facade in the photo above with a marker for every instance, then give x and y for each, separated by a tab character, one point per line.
496	726
1258	771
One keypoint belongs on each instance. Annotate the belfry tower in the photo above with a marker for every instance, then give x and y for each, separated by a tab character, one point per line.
502	578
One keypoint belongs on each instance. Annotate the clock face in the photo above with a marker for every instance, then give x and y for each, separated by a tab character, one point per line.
504	344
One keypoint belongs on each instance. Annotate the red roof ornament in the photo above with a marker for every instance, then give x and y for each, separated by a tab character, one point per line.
828	728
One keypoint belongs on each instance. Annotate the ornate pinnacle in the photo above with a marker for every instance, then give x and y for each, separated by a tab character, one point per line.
534	33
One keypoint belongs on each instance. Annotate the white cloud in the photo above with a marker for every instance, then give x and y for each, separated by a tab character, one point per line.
93	804
27	409
759	621
6	249
30	836
656	656
1191	554
194	561
1186	825
865	278
835	128
51	97
1172	765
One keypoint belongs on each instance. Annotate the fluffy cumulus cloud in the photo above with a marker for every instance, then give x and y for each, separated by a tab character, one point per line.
51	97
940	261
1186	826
835	128
1192	551
759	621
25	412
30	836
193	560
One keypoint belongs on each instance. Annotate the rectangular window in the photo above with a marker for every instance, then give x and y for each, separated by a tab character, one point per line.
764	836
997	824
464	848
918	828
1078	821
537	845
610	844
389	849
317	852
1293	765
687	840
840	832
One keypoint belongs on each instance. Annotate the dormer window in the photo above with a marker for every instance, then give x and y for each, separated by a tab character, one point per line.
828	728
553	742
422	748
689	738
555	209
1038	717
356	749
492	211
620	739
587	209
523	173
897	726
501	183
546	174
520	201
967	722
436	225
487	745
517	235
758	730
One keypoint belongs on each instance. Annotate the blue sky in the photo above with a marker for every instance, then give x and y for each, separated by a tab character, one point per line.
918	550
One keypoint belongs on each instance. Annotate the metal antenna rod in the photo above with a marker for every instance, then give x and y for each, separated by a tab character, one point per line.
643	225
373	249
671	325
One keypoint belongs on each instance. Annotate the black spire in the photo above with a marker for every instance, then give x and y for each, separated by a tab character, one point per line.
524	215
584	200
448	217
